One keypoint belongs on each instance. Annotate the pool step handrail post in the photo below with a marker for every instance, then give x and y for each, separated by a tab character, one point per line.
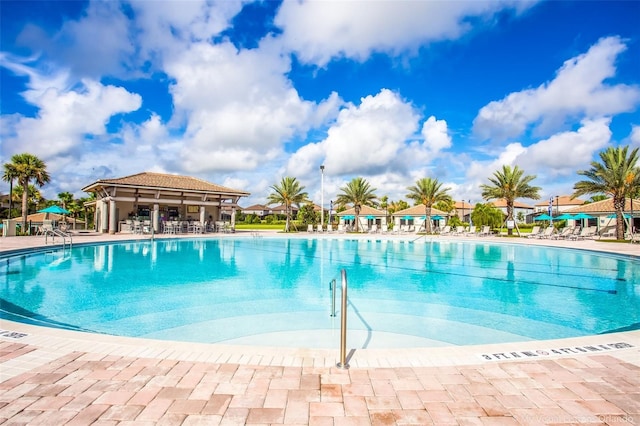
332	289
343	324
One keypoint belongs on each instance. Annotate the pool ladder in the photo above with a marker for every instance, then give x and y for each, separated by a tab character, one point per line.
343	317
58	233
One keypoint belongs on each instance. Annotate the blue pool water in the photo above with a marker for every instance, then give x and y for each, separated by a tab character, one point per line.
275	291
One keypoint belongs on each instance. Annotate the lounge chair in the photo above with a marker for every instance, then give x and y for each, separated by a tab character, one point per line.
635	238
446	230
534	232
585	233
374	229
319	228
548	232
459	230
608	232
485	231
341	228
471	231
564	234
385	228
309	228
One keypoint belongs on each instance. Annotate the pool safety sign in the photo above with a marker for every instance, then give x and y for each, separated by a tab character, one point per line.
566	350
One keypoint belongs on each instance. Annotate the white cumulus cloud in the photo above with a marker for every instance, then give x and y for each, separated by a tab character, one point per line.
579	90
318	31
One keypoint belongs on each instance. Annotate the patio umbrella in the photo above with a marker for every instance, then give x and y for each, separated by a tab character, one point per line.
625	215
583	216
565	216
348	217
370	216
543	217
54	209
408	217
437	217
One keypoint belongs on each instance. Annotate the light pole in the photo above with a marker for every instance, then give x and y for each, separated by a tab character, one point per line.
462	211
322	194
557	205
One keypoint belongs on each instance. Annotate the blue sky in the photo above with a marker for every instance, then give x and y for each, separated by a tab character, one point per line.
244	93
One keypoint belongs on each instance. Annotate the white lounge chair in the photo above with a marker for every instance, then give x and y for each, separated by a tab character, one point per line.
385	228
471	231
588	232
534	232
485	231
446	230
547	233
309	228
374	229
319	228
565	233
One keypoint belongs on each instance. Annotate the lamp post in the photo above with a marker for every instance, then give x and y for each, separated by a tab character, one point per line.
322	194
557	205
470	222
462	211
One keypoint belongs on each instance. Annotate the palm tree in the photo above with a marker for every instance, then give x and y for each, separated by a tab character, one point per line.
358	193
26	168
428	191
288	193
9	175
617	176
510	184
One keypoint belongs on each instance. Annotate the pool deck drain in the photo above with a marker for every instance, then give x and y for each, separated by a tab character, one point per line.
50	376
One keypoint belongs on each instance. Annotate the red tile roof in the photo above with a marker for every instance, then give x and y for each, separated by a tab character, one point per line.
167	181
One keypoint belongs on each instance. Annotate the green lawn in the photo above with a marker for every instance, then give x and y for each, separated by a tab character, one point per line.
260	226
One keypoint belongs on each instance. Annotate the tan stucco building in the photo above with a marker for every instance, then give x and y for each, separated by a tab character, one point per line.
159	197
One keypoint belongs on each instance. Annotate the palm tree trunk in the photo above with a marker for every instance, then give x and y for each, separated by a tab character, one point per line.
357	210
10	198
618	205
25	204
286	226
509	217
427	219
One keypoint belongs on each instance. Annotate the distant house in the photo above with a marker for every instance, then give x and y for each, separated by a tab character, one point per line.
518	207
415	216
559	204
366	217
281	210
157	197
602	213
259	210
463	210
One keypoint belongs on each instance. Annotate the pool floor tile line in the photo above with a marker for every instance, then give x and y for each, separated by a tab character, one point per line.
53	376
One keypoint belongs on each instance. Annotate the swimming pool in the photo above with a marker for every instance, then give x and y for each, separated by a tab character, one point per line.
275	291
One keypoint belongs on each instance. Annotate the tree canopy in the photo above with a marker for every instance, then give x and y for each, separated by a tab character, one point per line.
289	192
616	175
428	191
358	192
510	184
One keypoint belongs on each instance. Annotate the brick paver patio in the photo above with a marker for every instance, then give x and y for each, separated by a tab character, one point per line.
81	388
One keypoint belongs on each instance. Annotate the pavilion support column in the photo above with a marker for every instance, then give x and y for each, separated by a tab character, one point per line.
233	218
113	219
104	217
202	214
156	217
